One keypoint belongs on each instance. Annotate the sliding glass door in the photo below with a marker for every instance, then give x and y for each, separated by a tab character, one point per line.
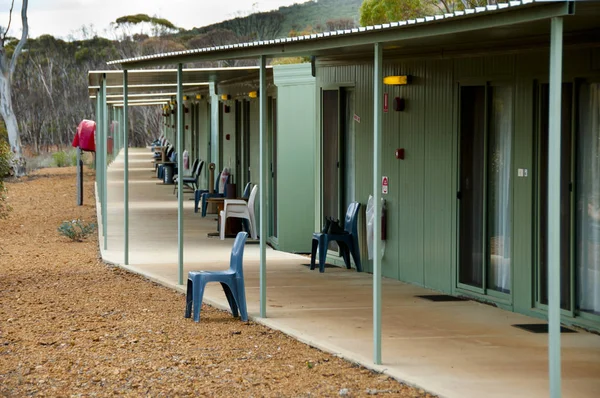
579	199
587	209
485	220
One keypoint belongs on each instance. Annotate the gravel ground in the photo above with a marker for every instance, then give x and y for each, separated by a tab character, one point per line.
71	325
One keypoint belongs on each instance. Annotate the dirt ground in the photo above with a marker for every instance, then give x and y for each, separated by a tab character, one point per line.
71	325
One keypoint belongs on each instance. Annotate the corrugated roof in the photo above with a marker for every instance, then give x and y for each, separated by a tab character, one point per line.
433	19
157	80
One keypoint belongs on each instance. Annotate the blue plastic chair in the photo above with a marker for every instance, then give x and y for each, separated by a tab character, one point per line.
247	190
215	194
199	192
231	280
348	242
171	157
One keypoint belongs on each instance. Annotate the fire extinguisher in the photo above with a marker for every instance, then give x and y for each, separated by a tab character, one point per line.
383	220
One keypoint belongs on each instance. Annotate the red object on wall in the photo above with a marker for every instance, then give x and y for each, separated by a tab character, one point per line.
400	153
386	103
109	144
85	136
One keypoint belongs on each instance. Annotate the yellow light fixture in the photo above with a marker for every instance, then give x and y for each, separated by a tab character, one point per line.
253	94
198	96
396	80
185	98
225	97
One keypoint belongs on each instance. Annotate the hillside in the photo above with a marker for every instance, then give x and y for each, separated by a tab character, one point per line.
298	17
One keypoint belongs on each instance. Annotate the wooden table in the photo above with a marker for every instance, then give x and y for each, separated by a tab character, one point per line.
232	226
163	153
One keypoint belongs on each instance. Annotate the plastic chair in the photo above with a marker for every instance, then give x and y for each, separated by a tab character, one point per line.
231	280
348	241
246	193
219	193
199	192
191	181
239	208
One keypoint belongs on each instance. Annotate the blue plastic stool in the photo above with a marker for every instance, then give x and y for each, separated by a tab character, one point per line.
231	280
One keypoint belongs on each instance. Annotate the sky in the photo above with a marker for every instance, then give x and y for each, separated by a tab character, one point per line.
62	18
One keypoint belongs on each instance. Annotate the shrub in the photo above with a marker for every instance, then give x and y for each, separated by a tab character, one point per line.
60	159
5	168
76	230
73	158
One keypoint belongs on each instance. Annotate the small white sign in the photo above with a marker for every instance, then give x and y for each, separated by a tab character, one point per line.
384	185
356	118
520	173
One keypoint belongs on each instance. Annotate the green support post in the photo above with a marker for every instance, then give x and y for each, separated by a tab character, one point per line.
261	186
377	117
554	227
214	124
104	162
125	132
99	155
97	132
180	167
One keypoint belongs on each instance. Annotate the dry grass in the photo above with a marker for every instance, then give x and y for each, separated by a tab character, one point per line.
73	326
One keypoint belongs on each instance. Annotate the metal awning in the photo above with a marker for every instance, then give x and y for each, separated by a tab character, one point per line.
155	82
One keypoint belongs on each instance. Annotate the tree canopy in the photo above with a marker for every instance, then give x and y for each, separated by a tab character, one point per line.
374	12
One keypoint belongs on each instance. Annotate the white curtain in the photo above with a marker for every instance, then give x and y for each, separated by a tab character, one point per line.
499	175
588	200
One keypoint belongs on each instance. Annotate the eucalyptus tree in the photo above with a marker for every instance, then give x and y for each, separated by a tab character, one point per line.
9	54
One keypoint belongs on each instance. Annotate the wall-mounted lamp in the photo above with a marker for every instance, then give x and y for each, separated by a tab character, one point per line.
253	94
396	80
185	98
225	97
198	96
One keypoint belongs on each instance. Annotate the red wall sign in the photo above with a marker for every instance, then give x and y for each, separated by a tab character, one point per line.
386	102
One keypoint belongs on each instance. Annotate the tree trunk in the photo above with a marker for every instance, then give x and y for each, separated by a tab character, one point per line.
6	110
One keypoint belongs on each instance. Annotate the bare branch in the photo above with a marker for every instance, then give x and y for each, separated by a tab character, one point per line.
25	32
9	21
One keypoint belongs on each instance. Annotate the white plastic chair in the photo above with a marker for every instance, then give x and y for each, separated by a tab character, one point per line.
238	208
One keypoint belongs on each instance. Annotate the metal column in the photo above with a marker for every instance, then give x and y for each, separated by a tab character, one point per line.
125	130
104	161
554	154
377	116
97	151
214	124
262	95
180	167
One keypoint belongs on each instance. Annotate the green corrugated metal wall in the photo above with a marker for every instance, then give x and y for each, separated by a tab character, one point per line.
422	206
296	156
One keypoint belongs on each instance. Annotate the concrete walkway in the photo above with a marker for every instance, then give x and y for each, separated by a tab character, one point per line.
454	349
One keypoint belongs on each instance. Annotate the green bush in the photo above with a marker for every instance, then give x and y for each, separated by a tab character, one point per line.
5	168
74	158
76	230
60	159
